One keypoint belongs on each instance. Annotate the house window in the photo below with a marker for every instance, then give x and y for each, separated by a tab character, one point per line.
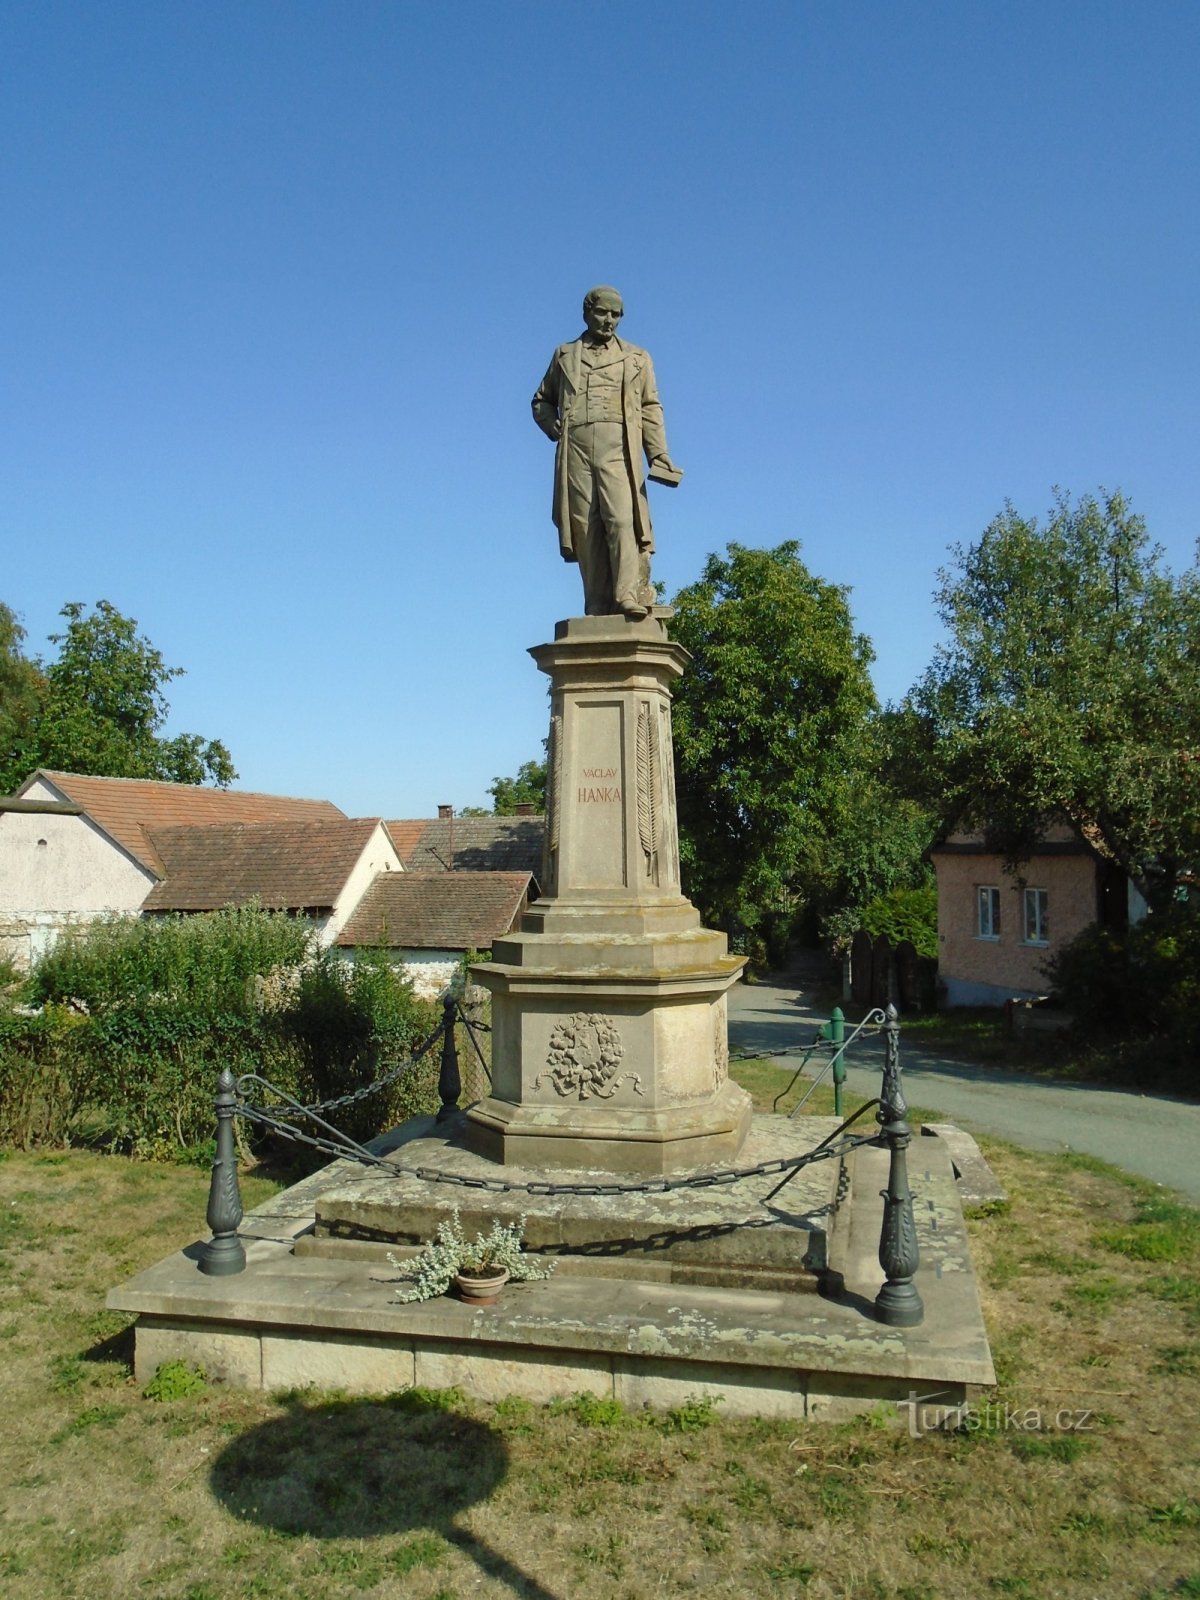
1037	917
989	914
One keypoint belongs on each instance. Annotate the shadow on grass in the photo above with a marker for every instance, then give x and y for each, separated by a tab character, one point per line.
117	1346
362	1469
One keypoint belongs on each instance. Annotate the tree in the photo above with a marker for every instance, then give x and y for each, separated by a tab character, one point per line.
100	706
527	788
1070	686
781	798
21	690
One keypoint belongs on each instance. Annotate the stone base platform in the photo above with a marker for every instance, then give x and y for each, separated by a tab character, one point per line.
300	1315
725	1235
618	1140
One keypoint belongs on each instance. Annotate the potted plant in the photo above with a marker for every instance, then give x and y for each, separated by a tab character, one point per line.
479	1268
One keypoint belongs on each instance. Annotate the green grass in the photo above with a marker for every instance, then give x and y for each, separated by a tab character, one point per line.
426	1494
1161	1230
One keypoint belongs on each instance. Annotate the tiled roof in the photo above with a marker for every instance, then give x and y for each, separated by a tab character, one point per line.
129	809
405	835
295	866
437	910
1060	837
481	844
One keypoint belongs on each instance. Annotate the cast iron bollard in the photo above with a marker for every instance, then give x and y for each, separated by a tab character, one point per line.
224	1255
897	1304
449	1081
837	1037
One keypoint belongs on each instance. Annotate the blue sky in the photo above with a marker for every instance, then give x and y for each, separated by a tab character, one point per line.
279	280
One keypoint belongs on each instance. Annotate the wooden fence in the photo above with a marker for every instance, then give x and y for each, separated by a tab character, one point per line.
883	974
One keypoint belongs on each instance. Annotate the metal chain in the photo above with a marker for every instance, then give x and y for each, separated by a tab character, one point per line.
355	1095
342	1146
799	1049
470	1027
351	1151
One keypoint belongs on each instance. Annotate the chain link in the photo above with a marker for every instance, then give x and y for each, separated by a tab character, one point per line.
340	1145
351	1151
470	1027
800	1049
355	1096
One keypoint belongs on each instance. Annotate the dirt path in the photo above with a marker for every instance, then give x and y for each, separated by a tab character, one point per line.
1155	1136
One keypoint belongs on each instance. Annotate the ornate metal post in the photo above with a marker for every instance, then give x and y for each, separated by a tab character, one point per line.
224	1255
449	1080
897	1304
837	1037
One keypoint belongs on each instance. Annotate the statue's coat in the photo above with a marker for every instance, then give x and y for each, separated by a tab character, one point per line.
645	434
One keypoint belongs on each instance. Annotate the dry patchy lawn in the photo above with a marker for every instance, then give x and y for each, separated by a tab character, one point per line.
1091	1287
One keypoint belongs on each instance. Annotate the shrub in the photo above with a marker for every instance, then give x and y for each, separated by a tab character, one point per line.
1143	979
168	1002
43	1074
905	914
138	1017
1137	983
349	1023
204	964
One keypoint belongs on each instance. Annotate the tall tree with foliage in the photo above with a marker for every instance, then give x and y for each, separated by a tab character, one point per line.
527	788
97	708
22	688
1070	685
780	797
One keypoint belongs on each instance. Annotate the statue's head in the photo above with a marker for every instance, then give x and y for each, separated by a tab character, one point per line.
603	308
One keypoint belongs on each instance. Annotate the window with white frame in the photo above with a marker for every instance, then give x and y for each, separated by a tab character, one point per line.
988	913
1037	916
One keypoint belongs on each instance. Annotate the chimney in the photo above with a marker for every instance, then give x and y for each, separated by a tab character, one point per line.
446	814
524	809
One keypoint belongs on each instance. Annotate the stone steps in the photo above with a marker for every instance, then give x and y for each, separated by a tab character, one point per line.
320	1310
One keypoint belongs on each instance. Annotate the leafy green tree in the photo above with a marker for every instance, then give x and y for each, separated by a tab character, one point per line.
100	706
1070	685
781	798
21	690
527	788
905	914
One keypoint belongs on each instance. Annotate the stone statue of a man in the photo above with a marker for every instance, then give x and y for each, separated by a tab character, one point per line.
599	403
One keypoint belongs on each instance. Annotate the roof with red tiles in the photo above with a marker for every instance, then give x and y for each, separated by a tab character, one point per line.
292	866
406	834
437	910
130	809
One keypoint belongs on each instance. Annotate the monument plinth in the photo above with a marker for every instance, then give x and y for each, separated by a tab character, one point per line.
609	1029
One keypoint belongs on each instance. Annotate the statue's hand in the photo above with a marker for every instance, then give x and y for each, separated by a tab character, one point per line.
547	420
665	461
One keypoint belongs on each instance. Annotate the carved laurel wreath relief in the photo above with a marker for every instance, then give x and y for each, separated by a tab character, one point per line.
555	785
584	1056
649	783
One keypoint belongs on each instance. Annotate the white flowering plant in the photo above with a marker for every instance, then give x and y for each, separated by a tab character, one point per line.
450	1252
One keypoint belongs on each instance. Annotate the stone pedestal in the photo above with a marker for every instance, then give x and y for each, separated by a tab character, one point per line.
609	1044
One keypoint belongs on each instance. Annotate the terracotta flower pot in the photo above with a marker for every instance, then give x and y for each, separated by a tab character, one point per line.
481	1288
